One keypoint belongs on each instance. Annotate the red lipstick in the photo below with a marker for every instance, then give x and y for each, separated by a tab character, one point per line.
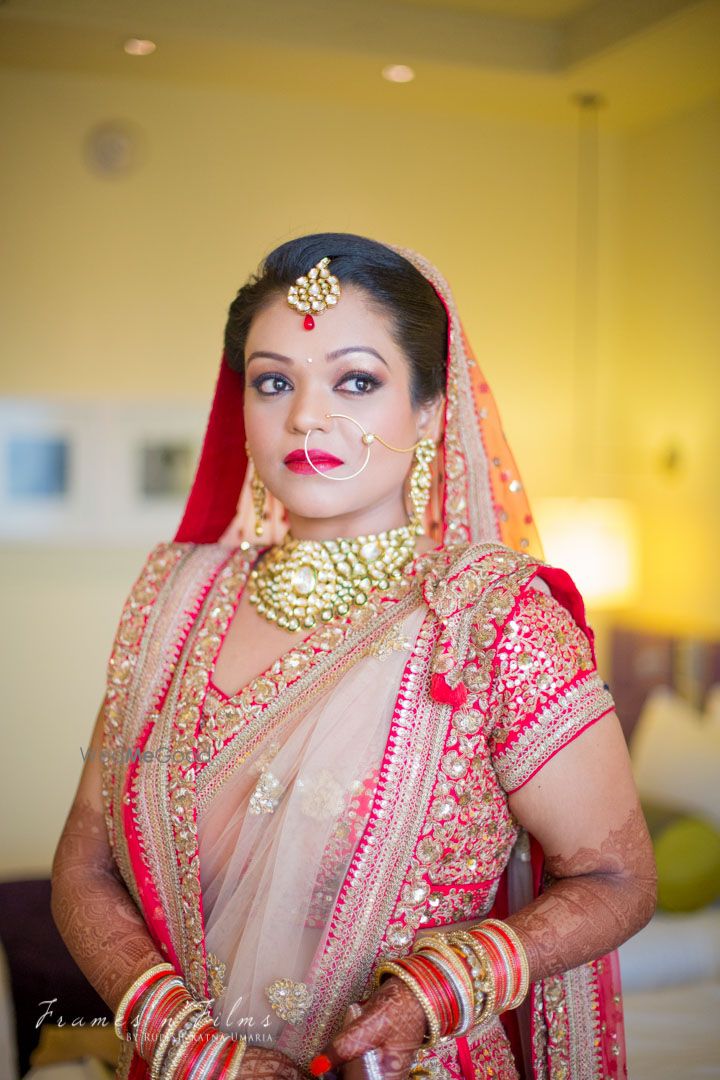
298	463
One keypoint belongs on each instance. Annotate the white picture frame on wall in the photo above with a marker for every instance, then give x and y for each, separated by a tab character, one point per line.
95	472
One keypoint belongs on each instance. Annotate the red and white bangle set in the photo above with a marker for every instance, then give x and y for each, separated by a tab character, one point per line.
463	977
173	1031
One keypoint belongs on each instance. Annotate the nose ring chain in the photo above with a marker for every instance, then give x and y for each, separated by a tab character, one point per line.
368	438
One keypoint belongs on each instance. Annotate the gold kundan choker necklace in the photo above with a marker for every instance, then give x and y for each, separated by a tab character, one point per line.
299	583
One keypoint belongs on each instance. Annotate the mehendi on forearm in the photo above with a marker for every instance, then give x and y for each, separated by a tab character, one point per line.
95	914
598	899
106	933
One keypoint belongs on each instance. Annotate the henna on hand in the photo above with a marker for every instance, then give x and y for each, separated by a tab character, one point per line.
95	914
598	899
260	1063
392	1022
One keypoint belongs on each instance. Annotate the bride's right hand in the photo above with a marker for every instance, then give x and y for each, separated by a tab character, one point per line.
259	1063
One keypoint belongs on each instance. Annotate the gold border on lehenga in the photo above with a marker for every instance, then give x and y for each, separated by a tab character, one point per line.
473	595
262	706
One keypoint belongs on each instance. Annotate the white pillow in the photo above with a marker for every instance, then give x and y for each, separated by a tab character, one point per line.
676	756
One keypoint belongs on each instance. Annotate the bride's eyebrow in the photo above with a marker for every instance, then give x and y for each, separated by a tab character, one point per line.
335	355
354	349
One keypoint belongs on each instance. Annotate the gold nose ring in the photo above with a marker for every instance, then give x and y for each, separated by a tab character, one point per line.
367	445
367	438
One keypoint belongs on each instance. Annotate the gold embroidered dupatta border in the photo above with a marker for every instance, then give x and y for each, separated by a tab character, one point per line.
175	643
370	918
157	614
175	647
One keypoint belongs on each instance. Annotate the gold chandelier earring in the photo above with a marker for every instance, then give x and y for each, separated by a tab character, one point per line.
259	492
420	482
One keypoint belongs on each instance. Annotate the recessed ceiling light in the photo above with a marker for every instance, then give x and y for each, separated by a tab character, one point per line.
139	46
398	73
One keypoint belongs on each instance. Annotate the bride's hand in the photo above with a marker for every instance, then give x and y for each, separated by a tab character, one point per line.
259	1063
392	1022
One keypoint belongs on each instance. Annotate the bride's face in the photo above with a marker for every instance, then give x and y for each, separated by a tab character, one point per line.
349	363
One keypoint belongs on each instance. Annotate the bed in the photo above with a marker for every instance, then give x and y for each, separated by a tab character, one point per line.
667	691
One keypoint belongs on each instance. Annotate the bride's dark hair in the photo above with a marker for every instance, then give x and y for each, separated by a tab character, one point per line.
390	282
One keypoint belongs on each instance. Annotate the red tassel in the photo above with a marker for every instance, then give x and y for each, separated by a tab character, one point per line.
448	695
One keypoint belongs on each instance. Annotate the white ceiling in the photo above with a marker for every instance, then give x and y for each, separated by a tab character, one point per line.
648	58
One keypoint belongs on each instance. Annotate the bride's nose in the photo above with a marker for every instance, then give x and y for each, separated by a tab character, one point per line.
308	410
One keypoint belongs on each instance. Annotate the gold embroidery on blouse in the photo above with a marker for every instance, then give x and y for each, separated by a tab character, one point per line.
290	1000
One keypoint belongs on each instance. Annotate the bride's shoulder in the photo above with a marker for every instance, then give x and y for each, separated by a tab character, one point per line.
460	575
173	561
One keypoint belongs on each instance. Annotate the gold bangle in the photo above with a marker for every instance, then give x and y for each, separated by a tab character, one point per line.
487	980
460	977
179	1051
233	1072
476	972
406	977
127	996
175	1022
522	958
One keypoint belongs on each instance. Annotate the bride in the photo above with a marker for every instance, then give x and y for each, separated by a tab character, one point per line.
354	746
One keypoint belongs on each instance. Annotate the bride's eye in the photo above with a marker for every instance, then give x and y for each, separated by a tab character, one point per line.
270	384
362	379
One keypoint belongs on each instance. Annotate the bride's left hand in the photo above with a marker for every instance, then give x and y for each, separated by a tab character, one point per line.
392	1022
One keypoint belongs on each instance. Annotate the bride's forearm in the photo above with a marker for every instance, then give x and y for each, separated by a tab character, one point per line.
599	899
95	914
579	919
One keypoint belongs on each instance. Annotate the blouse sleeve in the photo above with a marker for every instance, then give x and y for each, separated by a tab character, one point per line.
546	687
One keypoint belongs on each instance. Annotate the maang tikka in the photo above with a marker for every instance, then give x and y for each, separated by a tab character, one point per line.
314	292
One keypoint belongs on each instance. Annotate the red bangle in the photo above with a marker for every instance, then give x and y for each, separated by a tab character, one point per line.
512	955
164	1011
195	1048
138	994
499	969
422	973
447	997
228	1059
456	972
419	974
435	985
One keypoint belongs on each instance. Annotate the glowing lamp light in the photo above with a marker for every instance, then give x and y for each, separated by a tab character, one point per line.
398	73
596	541
139	47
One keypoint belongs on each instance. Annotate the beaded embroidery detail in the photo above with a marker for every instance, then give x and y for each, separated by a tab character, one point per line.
290	1000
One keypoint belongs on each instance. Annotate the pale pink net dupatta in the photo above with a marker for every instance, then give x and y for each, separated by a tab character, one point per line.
275	845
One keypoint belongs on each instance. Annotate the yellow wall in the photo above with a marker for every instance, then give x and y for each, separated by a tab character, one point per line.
118	287
667	364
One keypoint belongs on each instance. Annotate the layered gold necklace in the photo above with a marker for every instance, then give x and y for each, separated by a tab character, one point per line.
299	583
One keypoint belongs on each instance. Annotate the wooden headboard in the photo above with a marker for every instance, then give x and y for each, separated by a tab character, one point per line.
640	661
